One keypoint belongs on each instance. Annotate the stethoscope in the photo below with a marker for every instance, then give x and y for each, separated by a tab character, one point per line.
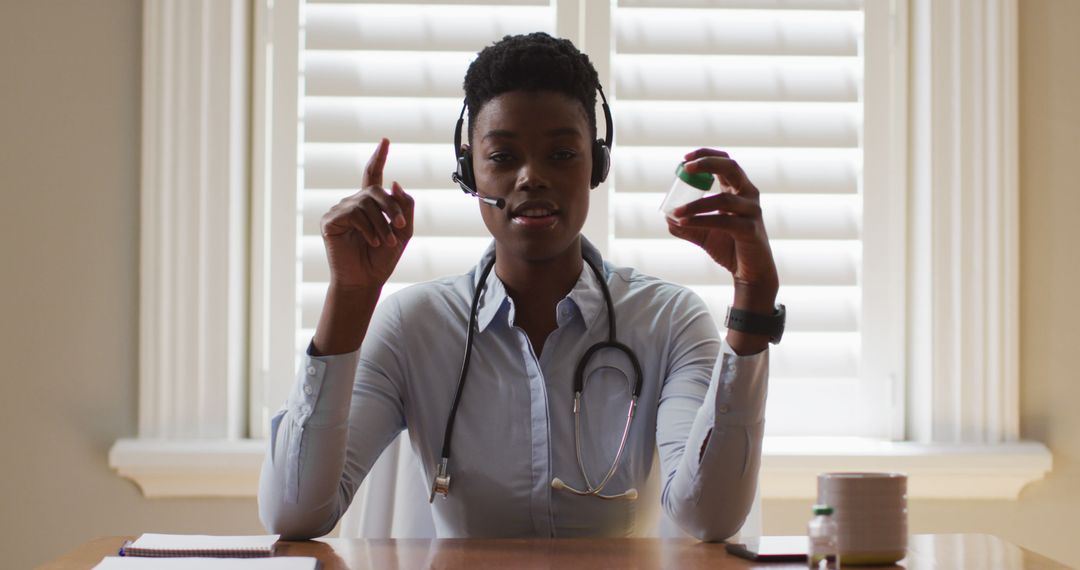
441	485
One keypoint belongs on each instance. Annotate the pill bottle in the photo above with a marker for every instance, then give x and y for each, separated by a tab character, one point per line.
822	533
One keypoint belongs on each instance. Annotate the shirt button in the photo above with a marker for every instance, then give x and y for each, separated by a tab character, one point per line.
723	409
307	389
311	370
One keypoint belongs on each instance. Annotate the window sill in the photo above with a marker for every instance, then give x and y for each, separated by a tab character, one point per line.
190	468
790	465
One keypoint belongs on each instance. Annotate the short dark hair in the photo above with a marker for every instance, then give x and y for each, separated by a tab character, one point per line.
531	62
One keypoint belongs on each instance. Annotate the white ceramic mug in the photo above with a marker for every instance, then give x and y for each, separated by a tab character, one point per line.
870	510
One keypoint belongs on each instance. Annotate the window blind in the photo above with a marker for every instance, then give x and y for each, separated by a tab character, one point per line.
777	84
394	70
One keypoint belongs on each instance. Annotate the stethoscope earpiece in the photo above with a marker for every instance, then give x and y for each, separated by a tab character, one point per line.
628	495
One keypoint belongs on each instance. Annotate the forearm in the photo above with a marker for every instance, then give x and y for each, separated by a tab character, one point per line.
298	493
712	490
345	318
300	498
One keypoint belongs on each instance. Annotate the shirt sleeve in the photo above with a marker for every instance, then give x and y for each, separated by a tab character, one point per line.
710	425
342	412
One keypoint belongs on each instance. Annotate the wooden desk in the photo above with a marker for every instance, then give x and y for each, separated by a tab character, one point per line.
940	551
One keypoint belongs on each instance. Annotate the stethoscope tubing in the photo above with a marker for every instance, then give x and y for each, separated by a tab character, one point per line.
441	484
448	435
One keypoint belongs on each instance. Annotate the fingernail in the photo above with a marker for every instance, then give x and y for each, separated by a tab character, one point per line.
391	240
375	243
679	212
399	221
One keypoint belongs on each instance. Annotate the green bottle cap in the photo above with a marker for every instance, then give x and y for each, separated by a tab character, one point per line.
699	180
823	510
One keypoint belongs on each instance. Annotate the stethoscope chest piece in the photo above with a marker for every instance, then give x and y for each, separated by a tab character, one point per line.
441	484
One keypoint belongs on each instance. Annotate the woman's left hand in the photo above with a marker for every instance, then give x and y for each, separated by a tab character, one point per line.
729	227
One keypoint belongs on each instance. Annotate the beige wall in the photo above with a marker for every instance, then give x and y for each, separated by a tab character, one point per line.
69	167
69	229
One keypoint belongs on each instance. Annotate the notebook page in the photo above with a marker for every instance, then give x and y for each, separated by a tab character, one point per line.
151	541
275	563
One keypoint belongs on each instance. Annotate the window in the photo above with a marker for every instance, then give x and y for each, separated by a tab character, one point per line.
893	211
375	70
781	89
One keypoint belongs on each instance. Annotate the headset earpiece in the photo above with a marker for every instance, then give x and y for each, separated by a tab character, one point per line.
601	162
465	170
601	151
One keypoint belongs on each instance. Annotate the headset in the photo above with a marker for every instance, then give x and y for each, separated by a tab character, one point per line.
601	156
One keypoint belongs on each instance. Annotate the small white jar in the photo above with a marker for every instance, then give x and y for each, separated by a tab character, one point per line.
688	186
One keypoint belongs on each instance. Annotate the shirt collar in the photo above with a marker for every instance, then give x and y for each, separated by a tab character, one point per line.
586	294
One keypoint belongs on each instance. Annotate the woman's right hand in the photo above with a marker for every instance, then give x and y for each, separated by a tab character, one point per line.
363	248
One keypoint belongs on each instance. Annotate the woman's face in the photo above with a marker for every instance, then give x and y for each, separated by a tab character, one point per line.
534	150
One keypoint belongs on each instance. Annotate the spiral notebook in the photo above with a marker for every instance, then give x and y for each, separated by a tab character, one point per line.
180	545
186	563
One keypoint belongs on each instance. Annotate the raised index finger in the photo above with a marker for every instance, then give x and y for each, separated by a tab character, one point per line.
373	171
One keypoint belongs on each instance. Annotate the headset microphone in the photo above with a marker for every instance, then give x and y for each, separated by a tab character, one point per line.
493	202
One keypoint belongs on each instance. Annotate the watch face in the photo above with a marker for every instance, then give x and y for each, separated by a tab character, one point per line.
781	318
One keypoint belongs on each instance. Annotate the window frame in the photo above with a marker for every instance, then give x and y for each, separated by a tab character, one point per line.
973	39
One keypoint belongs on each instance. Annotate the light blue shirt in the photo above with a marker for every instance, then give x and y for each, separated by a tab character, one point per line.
514	430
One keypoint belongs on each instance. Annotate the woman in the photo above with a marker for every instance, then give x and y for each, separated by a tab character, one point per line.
522	462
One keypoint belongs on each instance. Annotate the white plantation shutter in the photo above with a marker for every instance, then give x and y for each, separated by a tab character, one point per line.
779	89
394	70
777	84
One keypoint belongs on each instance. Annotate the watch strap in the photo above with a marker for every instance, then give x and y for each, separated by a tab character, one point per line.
771	326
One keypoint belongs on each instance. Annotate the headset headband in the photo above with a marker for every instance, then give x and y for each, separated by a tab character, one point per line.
606	141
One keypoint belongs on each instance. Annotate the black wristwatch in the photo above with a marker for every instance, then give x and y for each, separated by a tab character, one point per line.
756	323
